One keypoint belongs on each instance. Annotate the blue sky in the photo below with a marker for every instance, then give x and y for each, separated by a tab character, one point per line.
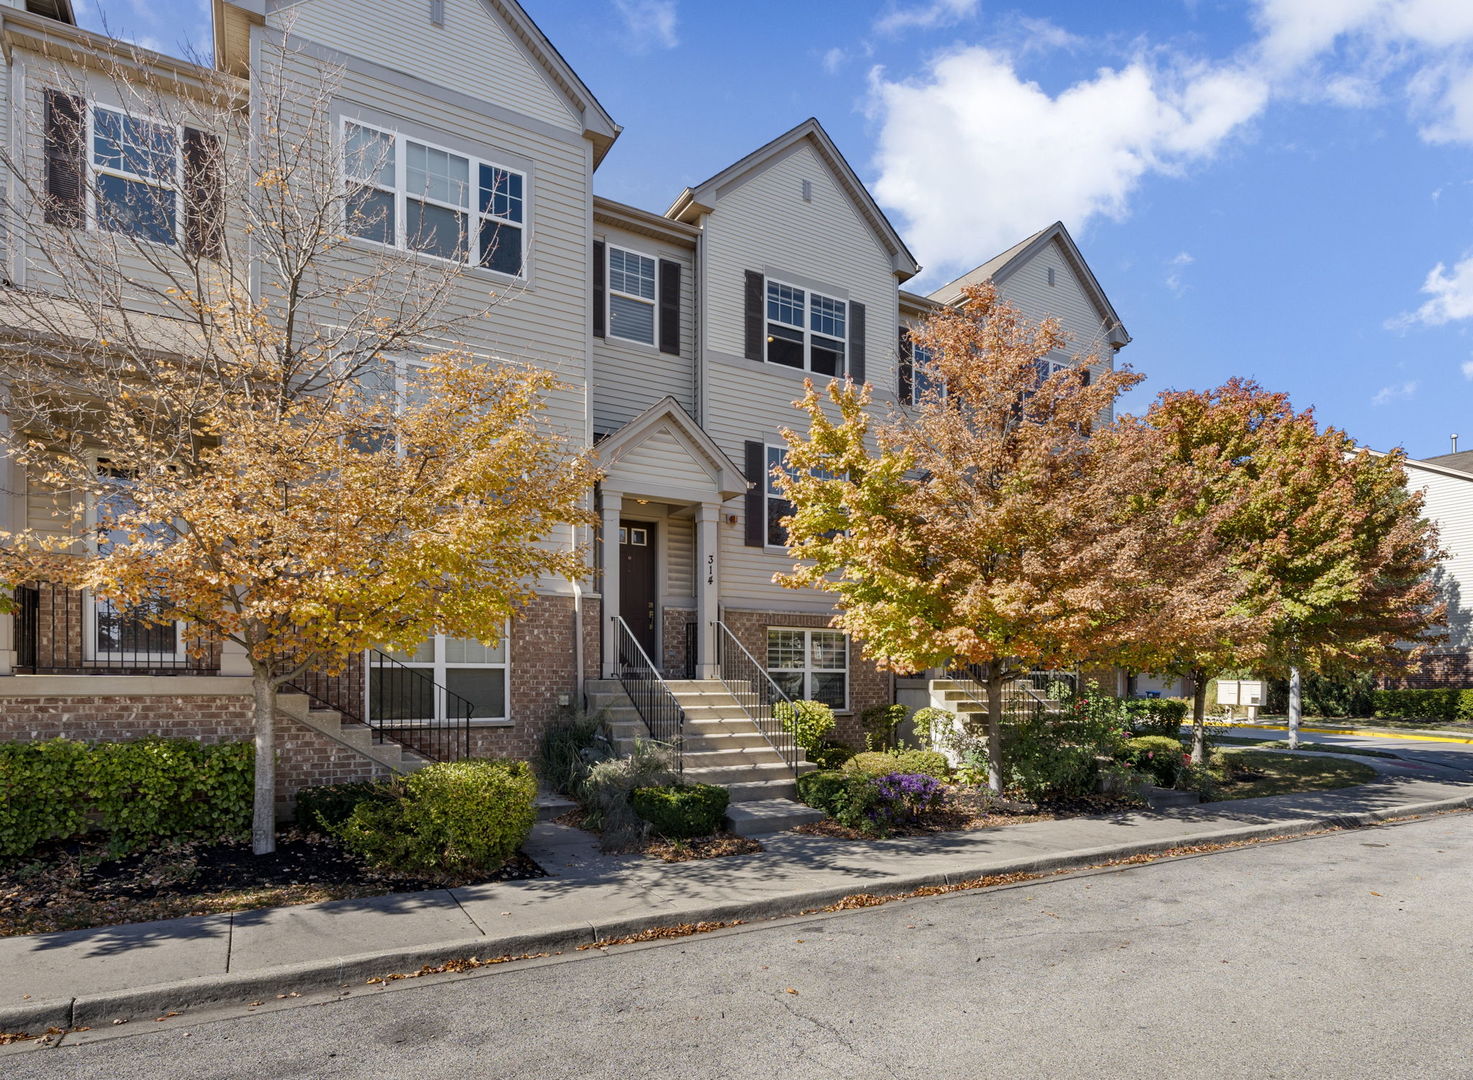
1281	189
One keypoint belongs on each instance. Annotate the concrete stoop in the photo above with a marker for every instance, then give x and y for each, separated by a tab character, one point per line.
356	737
723	745
761	816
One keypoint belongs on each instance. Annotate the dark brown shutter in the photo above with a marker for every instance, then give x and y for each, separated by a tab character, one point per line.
204	196
1089	376
600	304
756	325
856	341
669	306
906	384
64	151
756	469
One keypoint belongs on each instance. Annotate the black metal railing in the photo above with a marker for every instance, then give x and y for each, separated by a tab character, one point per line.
692	646
761	698
397	702
652	698
1024	696
63	631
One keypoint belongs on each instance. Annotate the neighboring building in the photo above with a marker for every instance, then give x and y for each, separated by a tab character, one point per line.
1446	482
682	339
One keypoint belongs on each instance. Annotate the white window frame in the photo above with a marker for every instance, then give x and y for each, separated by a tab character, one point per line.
473	213
437	668
808	670
769	496
94	170
808	332
610	292
91	602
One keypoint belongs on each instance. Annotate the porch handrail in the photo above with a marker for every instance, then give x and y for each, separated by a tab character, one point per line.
652	697
401	706
762	696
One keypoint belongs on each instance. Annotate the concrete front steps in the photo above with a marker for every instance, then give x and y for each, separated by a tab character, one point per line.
722	746
356	737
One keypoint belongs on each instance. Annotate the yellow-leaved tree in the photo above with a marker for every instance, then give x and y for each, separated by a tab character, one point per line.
258	425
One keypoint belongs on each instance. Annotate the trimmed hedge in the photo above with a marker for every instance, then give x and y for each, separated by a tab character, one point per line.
809	722
1424	704
684	810
880	724
881	762
328	806
136	794
449	820
1155	716
1159	755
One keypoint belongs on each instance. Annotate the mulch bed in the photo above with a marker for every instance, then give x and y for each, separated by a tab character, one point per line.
74	886
702	847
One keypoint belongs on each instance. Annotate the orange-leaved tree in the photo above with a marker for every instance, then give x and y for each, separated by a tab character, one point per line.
968	532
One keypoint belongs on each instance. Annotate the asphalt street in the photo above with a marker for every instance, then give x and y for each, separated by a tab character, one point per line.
1449	755
1343	955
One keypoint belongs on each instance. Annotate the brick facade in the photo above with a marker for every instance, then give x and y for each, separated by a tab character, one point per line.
868	685
673	651
1450	670
304	757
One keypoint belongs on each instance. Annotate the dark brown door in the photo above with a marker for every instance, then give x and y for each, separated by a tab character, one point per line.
637	582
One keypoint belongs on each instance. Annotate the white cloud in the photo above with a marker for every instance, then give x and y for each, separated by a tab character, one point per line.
926	16
974	157
1451	295
834	59
1396	392
649	23
1468	370
1176	265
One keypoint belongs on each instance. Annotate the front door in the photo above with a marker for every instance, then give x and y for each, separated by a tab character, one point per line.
637	582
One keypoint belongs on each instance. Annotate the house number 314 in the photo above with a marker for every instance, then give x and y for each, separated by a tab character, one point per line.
711	569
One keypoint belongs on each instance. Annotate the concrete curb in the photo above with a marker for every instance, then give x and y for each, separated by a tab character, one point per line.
227	989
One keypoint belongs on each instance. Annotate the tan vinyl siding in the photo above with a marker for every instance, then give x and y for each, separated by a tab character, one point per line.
1449	502
765	225
629	376
474	52
664	461
680	561
1028	289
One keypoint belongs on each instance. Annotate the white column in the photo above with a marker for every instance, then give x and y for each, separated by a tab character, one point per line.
613	505
708	540
12	518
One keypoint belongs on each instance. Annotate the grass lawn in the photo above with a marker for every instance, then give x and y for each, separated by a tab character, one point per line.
1262	773
1283	744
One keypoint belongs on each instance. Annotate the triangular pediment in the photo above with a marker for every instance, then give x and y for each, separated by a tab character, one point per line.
664	454
693	202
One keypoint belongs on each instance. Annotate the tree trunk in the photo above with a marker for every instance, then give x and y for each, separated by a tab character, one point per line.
1296	704
1199	717
994	729
263	820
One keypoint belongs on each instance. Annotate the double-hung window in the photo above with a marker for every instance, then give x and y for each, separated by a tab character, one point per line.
810	664
419	197
777	506
461	667
806	330
632	296
135	175
117	635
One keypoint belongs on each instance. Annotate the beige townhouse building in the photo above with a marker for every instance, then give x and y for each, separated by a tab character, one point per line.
681	338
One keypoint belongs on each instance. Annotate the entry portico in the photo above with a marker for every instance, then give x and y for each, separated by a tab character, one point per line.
664	484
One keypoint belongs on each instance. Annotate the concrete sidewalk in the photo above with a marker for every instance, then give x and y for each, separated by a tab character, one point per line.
90	978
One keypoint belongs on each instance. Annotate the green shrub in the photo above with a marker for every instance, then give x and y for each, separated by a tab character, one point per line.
1325	695
880	762
450	820
932	726
135	794
1048	772
1159	756
880	723
1155	716
608	792
824	789
328	806
570	746
809	722
829	755
1424	704
684	810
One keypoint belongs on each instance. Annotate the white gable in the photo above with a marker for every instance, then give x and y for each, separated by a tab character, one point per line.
475	52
